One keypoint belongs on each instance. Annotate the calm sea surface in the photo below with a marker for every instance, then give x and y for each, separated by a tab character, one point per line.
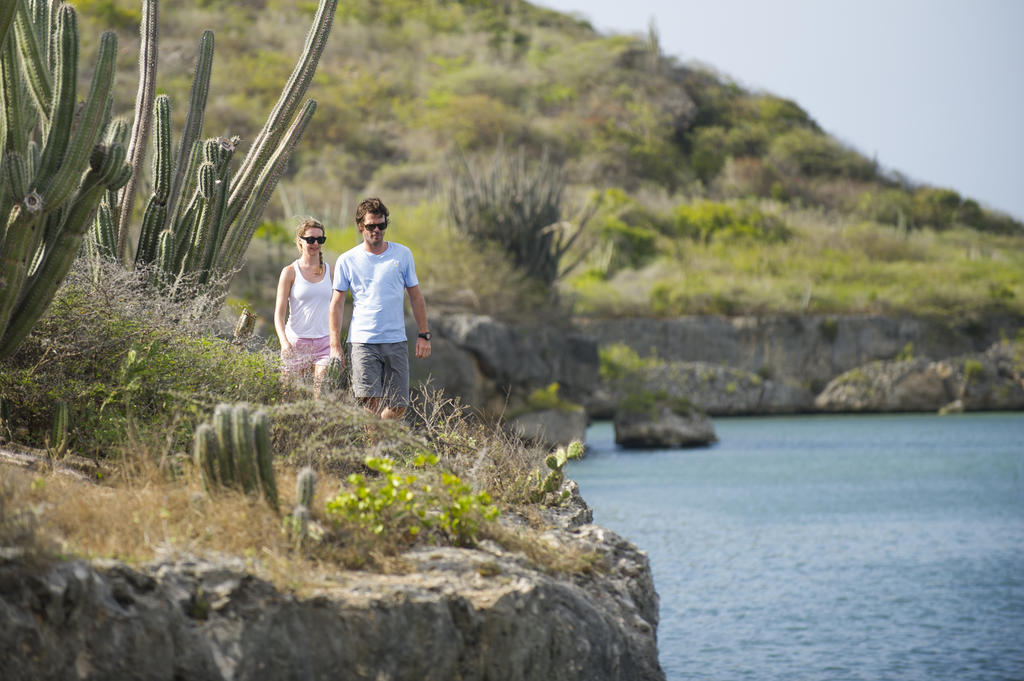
829	547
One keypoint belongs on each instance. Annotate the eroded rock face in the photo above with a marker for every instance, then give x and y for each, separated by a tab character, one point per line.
972	382
662	427
806	350
717	390
485	360
551	427
459	614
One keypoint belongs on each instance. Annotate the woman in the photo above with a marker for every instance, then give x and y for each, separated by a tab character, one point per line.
304	291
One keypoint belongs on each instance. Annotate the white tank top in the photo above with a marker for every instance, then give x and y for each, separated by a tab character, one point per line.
308	306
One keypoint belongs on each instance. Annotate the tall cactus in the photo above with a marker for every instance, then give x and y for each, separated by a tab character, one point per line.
59	158
149	30
207	212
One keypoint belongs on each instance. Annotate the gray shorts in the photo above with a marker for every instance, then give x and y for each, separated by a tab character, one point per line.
381	370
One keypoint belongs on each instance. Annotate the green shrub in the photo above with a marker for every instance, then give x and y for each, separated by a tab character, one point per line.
973	371
628	246
130	365
705	221
815	154
547	398
888	206
618	361
404	506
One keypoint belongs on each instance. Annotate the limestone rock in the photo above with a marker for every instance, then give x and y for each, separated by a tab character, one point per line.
470	614
662	427
972	382
717	390
525	357
485	361
804	350
551	427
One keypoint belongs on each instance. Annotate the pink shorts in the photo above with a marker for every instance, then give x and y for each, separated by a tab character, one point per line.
307	352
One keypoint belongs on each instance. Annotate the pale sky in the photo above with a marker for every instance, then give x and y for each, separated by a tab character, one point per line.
931	88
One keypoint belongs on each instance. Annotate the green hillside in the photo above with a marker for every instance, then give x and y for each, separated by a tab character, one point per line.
708	197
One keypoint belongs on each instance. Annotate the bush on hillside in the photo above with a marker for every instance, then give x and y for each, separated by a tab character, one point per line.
705	221
806	152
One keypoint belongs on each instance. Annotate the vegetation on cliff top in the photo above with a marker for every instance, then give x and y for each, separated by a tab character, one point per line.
140	374
715	198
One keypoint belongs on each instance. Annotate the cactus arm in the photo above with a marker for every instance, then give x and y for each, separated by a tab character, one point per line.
187	189
206	186
206	456
15	128
149	33
225	443
156	210
245	454
103	230
208	256
183	233
7	10
235	243
265	456
64	96
23	234
165	257
88	127
16	175
193	121
294	91
152	219
33	62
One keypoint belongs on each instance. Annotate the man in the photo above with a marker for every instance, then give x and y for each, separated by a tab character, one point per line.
379	273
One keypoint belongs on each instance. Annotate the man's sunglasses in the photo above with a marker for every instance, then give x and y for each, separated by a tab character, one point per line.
381	226
313	239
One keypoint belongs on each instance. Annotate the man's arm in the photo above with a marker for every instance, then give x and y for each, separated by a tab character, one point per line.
334	320
419	313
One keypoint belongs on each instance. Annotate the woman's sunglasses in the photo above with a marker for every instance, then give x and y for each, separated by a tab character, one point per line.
313	239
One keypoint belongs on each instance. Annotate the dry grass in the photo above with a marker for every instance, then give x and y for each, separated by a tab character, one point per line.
153	504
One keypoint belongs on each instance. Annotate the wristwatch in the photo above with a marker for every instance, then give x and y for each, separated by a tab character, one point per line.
425	335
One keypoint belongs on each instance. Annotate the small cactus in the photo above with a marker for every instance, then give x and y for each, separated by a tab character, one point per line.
264	456
556	461
5	418
205	455
244	448
235	451
57	443
225	444
305	487
300	523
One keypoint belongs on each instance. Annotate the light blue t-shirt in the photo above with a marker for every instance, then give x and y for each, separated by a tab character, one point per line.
378	284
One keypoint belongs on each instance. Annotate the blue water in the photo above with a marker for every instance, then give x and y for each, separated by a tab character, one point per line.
829	547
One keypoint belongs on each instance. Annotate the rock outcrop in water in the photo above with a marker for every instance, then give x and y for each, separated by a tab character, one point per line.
975	382
480	614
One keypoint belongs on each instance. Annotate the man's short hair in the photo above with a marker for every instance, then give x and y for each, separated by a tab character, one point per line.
374	206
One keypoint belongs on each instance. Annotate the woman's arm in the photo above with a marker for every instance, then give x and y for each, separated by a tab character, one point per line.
284	289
